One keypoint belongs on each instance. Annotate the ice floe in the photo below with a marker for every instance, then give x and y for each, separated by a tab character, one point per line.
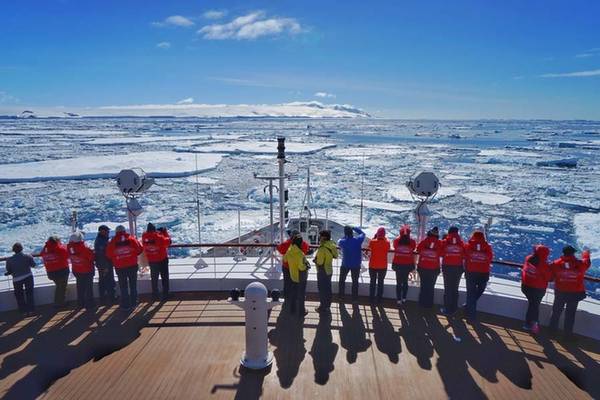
587	230
155	164
487	198
258	147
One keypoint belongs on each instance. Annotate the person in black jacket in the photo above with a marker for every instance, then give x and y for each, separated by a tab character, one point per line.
106	275
19	266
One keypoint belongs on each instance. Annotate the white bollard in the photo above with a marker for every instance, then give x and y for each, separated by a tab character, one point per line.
256	305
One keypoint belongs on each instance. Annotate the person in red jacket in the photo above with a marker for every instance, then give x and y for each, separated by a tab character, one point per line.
428	267
378	263
156	247
453	260
282	248
123	250
403	262
56	261
478	263
568	273
535	276
82	265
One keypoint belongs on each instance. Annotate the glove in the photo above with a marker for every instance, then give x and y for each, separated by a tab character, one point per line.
586	255
6	273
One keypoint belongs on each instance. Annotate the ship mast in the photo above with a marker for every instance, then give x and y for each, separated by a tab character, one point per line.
283	193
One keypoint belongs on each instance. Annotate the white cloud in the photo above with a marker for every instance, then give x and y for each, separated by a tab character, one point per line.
163	45
589	53
175	20
577	74
325	95
584	55
251	26
188	100
214	14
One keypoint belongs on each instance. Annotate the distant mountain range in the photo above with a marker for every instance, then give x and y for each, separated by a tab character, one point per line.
312	109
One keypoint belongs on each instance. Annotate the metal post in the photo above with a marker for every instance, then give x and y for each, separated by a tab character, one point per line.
281	162
271	233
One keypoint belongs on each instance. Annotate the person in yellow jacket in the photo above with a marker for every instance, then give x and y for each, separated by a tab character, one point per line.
298	274
324	261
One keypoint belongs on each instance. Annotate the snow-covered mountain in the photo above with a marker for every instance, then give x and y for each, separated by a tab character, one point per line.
312	109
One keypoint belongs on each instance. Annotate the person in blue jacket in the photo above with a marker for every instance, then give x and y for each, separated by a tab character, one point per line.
351	259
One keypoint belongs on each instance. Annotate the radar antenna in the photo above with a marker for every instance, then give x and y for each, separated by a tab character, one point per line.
423	187
132	183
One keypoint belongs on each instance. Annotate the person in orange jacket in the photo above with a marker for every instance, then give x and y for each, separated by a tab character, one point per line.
56	261
453	260
535	275
123	250
569	289
403	262
282	248
378	262
428	266
82	265
478	264
156	247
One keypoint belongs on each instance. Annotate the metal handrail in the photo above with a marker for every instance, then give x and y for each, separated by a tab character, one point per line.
511	264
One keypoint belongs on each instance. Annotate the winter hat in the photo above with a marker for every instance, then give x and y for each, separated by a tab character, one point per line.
150	227
325	234
569	250
348	231
541	251
294	233
120	228
434	232
103	228
380	233
76	237
453	229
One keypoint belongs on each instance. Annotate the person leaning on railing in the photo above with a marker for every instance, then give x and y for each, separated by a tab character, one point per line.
379	248
106	273
82	265
453	260
19	266
123	250
351	260
428	266
403	262
298	266
326	252
478	264
282	248
156	247
56	261
534	280
568	272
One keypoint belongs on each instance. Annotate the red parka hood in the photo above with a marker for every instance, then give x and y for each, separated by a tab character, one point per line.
77	246
542	252
449	239
477	237
51	245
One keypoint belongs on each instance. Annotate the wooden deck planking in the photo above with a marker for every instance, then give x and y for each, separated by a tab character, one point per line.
193	348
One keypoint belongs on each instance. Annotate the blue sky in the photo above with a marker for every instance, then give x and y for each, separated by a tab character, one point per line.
405	59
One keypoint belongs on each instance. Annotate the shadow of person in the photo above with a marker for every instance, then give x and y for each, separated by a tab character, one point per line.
249	385
323	350
63	347
415	333
288	338
451	362
387	339
353	333
17	330
586	375
512	364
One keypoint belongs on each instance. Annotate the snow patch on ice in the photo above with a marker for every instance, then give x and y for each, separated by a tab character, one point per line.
587	230
379	205
487	198
255	147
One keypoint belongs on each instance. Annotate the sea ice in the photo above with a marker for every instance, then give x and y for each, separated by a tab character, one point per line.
258	147
487	198
159	164
587	230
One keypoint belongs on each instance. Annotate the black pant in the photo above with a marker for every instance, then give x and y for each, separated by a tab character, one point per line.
377	278
402	273
427	278
476	284
24	294
534	299
128	286
287	282
298	293
452	276
324	286
106	283
85	289
160	268
571	300
355	274
61	280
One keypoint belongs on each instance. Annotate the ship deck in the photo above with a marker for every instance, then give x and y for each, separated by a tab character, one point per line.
190	347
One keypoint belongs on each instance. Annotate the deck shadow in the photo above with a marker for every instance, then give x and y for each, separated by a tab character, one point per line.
53	354
288	339
387	339
353	334
249	385
323	350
